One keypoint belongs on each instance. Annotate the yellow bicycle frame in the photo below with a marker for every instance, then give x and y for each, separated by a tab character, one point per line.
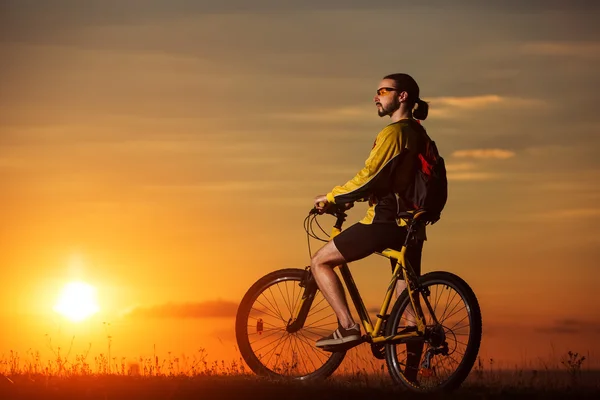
374	331
403	267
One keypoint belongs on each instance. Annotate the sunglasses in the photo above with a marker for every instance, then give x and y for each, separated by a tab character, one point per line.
385	90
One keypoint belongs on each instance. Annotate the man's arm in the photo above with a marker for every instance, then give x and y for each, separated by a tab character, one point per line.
388	147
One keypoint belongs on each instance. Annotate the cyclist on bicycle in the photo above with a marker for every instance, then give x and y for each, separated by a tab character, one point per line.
390	167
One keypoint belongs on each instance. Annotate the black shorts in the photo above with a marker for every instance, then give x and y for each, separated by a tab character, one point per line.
361	240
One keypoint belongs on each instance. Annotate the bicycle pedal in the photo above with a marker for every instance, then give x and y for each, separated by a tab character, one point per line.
342	346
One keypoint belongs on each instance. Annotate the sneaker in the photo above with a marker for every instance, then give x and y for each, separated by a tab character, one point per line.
340	336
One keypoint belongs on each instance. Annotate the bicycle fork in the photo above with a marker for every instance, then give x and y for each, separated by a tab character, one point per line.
298	318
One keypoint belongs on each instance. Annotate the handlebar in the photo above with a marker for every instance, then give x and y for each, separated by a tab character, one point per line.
337	210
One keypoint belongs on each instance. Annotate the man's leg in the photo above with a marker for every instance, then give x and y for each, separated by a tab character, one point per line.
413	255
352	244
409	312
414	350
322	264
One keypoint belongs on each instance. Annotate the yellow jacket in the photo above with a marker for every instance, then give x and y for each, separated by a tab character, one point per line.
390	167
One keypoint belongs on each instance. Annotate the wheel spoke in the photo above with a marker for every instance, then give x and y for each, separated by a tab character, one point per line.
457	311
265	323
276	305
444	316
312	348
437	299
270	314
290	301
294	299
454	329
301	359
446	308
263	331
284	299
310	359
268	344
465	317
321	319
459	342
267	336
320	326
272	351
316	305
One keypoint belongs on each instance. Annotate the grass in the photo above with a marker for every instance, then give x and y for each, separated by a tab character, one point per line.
361	376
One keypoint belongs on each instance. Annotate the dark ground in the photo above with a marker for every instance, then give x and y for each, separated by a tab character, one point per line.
251	387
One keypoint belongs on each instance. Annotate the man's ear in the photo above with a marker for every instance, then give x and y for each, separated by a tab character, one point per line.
403	96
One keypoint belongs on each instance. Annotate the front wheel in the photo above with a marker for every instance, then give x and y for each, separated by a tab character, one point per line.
264	341
443	358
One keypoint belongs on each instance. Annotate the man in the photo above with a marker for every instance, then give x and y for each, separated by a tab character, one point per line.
390	167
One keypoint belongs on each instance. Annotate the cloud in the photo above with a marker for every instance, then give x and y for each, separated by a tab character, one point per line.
484	154
468	102
466	172
453	107
472	176
454	167
570	326
208	309
563	49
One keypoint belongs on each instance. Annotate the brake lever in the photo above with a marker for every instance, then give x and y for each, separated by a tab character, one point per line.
333	209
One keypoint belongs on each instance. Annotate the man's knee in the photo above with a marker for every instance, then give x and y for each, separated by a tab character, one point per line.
327	257
319	260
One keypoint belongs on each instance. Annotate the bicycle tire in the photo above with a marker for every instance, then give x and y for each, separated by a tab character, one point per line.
254	362
463	369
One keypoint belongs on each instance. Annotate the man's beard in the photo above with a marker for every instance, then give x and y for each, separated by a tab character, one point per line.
391	108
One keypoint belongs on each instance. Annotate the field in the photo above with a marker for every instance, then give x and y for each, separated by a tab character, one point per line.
247	386
171	378
234	387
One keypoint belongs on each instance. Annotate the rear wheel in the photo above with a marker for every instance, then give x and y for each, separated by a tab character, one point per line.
443	359
265	343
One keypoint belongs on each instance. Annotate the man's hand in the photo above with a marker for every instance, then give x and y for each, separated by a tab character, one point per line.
321	203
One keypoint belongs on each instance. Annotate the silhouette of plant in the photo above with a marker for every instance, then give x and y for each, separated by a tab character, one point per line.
572	362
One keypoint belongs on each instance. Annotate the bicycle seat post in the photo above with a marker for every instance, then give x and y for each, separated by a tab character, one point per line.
409	233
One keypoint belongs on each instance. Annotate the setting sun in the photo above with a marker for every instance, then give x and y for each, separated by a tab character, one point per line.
77	301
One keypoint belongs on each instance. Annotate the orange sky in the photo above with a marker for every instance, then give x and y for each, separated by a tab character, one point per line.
168	154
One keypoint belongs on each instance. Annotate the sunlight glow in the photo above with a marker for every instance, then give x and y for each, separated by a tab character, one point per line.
77	301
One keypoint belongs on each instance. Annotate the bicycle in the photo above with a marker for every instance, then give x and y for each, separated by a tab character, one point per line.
283	314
